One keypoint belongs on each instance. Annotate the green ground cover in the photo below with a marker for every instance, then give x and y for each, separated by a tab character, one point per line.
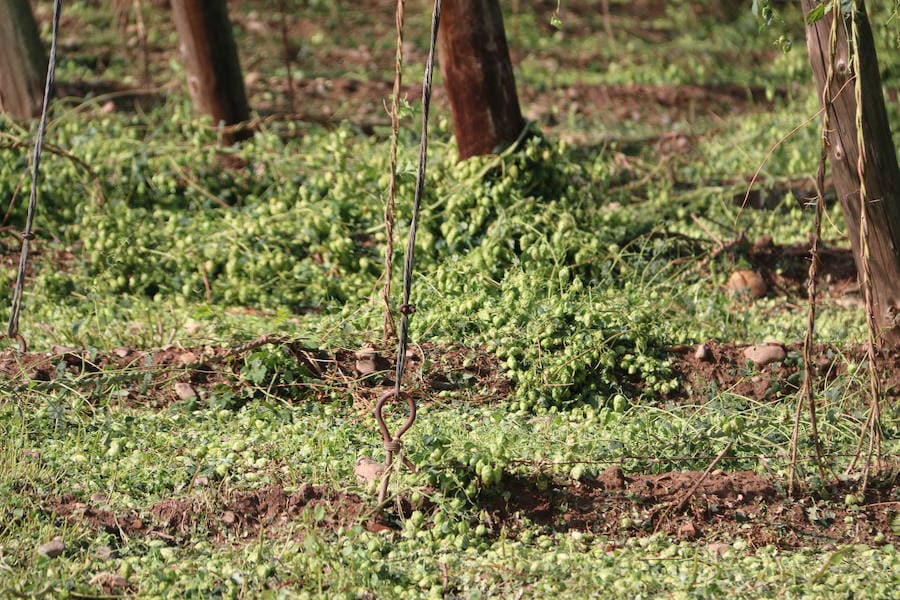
575	264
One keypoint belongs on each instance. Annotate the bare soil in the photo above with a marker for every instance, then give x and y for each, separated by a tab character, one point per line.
725	368
615	505
236	515
786	269
726	506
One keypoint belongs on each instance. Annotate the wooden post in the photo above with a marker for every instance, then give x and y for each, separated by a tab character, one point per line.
882	174
478	76
23	62
210	56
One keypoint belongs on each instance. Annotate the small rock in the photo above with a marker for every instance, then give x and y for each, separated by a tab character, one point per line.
108	107
702	352
111	582
53	548
368	361
688	530
748	284
764	354
121	351
718	548
229	518
185	391
367	469
186	358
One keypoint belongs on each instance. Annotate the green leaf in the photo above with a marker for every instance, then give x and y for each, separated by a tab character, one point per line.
815	14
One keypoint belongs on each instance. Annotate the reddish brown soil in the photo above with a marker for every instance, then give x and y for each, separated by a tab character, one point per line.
786	269
725	368
725	506
234	516
272	510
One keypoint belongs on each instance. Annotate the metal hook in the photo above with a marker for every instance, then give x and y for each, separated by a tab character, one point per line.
392	444
20	340
379	416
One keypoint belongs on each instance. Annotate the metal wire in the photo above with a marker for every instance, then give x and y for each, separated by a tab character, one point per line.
407	309
392	444
12	330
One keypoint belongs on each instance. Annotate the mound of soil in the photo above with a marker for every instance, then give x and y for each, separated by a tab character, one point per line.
615	505
234	516
271	510
724	367
725	506
786	268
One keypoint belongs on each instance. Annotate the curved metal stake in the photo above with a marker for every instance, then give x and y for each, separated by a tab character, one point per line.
20	340
392	444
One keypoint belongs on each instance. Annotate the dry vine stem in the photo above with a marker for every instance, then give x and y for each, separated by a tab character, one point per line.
390	208
872	426
807	393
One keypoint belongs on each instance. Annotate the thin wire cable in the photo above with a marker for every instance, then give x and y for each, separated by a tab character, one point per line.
392	444
406	309
13	328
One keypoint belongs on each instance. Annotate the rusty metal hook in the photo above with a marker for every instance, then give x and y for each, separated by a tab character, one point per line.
392	444
20	340
379	418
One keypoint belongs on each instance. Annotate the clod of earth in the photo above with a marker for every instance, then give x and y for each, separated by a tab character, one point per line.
764	354
111	583
367	469
185	391
701	353
53	548
747	284
368	361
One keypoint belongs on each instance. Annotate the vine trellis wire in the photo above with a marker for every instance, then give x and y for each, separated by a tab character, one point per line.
392	444
12	329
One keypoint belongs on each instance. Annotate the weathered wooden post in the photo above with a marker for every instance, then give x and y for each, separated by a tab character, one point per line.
210	56
478	76
881	173
23	62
